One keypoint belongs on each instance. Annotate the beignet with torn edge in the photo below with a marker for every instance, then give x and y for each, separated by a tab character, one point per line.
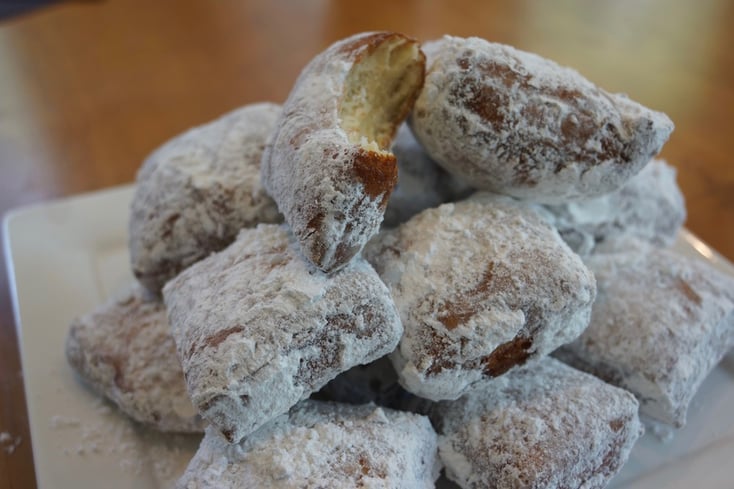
482	285
329	167
123	349
542	426
650	207
322	445
197	191
661	322
518	124
258	328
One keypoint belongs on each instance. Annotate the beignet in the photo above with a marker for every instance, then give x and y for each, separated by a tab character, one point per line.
660	324
322	445
329	167
518	124
542	426
482	285
258	328
124	351
197	191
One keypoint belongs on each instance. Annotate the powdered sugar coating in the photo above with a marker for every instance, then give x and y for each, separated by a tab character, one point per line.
649	206
322	445
422	183
660	324
259	329
481	285
125	351
197	191
518	124
543	426
331	191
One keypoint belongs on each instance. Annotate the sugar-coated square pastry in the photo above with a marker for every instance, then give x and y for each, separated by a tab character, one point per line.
197	191
542	426
650	207
518	124
329	167
124	350
482	285
660	324
322	445
258	328
422	183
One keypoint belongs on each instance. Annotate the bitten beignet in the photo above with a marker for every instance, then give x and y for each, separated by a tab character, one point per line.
197	191
518	124
124	351
649	207
258	328
322	445
660	324
545	426
329	167
482	285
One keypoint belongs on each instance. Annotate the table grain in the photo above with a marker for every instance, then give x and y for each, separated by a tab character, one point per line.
88	89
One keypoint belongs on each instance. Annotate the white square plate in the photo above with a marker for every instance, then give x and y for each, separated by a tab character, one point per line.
66	257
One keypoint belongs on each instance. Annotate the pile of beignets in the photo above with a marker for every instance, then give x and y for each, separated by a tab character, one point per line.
490	293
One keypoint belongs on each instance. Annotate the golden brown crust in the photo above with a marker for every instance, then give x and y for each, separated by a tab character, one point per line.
378	173
507	355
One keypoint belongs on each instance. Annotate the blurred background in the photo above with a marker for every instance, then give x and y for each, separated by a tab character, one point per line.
98	85
89	88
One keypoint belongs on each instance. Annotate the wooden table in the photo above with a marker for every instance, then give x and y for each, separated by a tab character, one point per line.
88	89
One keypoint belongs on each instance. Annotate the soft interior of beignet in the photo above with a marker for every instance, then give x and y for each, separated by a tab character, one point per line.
379	91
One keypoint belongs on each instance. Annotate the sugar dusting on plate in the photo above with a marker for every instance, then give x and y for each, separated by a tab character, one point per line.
9	442
140	451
